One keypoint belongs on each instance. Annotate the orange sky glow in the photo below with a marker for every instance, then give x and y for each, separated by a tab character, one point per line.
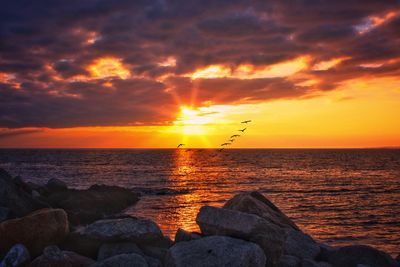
324	95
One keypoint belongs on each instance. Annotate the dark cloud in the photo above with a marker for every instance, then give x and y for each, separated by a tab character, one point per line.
45	45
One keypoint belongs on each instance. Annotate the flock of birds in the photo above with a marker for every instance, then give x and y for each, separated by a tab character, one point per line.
231	139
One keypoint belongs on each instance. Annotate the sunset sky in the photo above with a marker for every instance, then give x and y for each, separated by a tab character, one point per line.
153	74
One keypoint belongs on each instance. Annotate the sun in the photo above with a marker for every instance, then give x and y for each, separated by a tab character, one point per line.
192	121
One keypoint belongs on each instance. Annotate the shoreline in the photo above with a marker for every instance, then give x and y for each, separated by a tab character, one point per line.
55	225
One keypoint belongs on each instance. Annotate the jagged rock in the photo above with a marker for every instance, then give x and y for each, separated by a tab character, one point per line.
36	230
87	206
81	244
126	229
183	235
4	213
215	251
289	261
112	249
54	257
15	198
350	256
123	260
16	257
219	221
256	203
301	245
55	185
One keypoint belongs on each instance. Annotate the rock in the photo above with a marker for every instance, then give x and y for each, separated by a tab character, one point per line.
16	257
219	221
18	202
36	230
126	229
81	244
256	203
182	235
289	261
123	260
112	249
215	251
350	256
301	245
54	257
153	262
55	185
87	206
154	252
311	263
4	214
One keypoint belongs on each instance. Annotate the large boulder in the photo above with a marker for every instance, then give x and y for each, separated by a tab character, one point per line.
109	250
87	206
36	231
289	261
15	199
256	203
301	245
350	256
16	257
123	260
54	257
215	251
126	229
220	221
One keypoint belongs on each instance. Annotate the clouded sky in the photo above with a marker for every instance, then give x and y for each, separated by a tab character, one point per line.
122	73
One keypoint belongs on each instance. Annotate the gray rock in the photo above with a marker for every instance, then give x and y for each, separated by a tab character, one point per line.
289	261
123	260
55	184
256	203
153	262
4	213
54	257
183	235
350	256
35	194
112	249
126	229
17	256
81	244
154	252
86	206
215	251
18	202
301	245
218	221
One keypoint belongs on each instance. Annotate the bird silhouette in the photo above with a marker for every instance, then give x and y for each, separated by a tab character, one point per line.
242	130
246	121
225	144
180	145
235	135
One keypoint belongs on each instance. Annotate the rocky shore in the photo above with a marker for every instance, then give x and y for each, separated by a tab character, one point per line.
52	225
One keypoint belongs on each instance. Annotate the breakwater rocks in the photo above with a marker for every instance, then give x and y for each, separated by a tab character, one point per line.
52	225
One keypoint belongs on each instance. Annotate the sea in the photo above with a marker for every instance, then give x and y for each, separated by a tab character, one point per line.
338	196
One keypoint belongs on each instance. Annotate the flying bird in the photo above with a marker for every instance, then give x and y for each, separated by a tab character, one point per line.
225	144
246	121
235	135
180	145
242	130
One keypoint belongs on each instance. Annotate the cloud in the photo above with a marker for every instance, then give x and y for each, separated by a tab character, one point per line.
98	62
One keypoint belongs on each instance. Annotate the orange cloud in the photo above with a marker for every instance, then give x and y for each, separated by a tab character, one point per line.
108	67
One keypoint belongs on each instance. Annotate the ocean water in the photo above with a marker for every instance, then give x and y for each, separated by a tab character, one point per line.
338	196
